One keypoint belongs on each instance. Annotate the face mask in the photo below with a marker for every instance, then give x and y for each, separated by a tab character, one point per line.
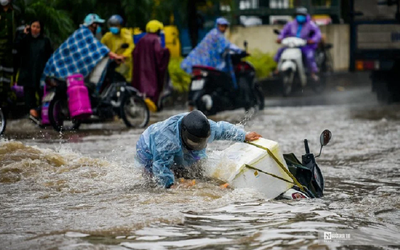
301	19
98	30
4	2
114	30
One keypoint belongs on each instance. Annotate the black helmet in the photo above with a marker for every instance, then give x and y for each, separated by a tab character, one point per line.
195	130
302	11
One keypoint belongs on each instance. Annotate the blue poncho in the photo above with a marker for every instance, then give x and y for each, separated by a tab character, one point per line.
78	54
212	51
160	148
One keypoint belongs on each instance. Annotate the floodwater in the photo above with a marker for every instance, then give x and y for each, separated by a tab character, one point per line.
81	190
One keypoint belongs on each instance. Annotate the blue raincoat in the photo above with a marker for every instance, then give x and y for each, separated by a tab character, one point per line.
160	148
80	53
212	51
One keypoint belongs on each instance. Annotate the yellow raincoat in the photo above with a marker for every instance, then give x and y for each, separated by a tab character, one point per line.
114	42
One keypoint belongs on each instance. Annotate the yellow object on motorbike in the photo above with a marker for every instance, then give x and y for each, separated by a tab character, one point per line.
151	105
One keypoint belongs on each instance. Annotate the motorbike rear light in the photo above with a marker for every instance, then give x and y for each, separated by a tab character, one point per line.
367	65
198	72
241	67
359	65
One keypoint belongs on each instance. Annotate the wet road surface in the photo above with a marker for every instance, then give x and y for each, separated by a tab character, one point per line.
82	190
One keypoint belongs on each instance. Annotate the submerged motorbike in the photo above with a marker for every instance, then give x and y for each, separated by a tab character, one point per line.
310	181
115	97
3	122
211	90
292	68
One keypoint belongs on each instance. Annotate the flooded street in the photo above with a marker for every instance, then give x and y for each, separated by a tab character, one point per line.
82	190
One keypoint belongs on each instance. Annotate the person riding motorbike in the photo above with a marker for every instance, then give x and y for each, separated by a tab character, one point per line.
80	53
173	146
114	40
213	51
303	27
150	65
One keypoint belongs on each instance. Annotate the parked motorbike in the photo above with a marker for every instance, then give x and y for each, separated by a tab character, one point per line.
3	122
292	70
307	172
114	98
211	90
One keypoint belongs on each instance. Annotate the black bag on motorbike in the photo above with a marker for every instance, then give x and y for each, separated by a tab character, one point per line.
308	175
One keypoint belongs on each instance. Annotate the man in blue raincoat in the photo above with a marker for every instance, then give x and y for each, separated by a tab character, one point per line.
173	145
212	51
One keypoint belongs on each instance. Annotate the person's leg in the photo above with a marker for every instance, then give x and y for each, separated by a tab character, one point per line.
30	100
277	57
308	53
278	54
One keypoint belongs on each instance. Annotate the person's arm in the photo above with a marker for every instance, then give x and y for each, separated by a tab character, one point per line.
316	34
161	171
223	44
227	131
49	49
104	40
284	32
129	40
163	158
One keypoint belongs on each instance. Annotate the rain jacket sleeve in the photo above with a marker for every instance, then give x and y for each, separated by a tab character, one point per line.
163	158
164	175
316	32
286	31
226	131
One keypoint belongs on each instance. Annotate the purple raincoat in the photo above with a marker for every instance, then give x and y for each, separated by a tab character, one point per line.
309	31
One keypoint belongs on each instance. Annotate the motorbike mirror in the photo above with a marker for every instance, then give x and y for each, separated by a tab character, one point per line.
124	46
277	32
324	139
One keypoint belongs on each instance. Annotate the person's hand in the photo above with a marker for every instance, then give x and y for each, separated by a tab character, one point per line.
310	41
278	40
27	29
118	58
252	136
183	183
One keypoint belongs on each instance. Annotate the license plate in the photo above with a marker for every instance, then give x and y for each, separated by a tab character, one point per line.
49	97
197	85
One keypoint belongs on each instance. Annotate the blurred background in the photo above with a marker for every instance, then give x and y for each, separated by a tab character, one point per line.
362	35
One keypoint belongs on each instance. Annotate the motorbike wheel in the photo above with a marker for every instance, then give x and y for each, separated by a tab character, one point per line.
134	111
59	116
260	100
3	122
287	82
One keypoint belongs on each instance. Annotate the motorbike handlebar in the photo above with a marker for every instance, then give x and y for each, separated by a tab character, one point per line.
306	146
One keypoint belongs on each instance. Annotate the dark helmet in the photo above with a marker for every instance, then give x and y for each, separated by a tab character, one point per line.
195	130
115	20
302	11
